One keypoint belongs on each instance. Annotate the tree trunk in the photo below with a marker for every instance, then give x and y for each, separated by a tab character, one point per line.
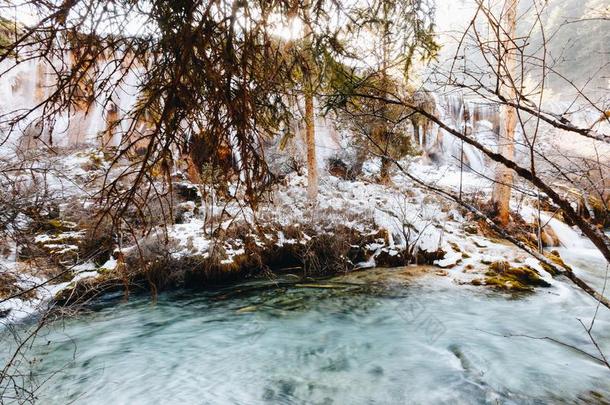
310	132
310	138
356	169
382	130
506	140
384	173
112	120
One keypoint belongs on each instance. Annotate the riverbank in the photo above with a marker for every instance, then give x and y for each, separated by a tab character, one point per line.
356	224
390	335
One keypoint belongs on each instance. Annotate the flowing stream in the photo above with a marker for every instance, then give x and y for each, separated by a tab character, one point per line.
384	336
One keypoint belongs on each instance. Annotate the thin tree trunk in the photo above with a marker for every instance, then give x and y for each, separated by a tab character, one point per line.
112	119
310	132
506	140
310	137
383	132
356	169
41	82
384	173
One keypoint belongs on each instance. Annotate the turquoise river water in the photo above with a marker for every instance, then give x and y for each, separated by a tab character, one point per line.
375	337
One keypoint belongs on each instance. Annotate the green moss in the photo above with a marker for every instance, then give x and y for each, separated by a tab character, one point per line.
548	269
8	32
55	223
96	161
58	225
499	267
528	242
104	271
501	275
554	257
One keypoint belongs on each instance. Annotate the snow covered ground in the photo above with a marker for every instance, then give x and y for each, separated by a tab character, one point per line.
409	216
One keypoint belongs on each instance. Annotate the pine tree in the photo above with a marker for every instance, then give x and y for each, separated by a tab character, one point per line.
506	144
398	32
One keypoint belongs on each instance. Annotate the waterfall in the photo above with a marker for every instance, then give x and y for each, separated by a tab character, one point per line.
28	83
21	84
568	237
474	118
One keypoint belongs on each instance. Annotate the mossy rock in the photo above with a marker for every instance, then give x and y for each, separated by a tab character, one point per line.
554	256
469	268
548	269
471	229
530	242
455	247
58	225
105	271
501	275
499	266
600	210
